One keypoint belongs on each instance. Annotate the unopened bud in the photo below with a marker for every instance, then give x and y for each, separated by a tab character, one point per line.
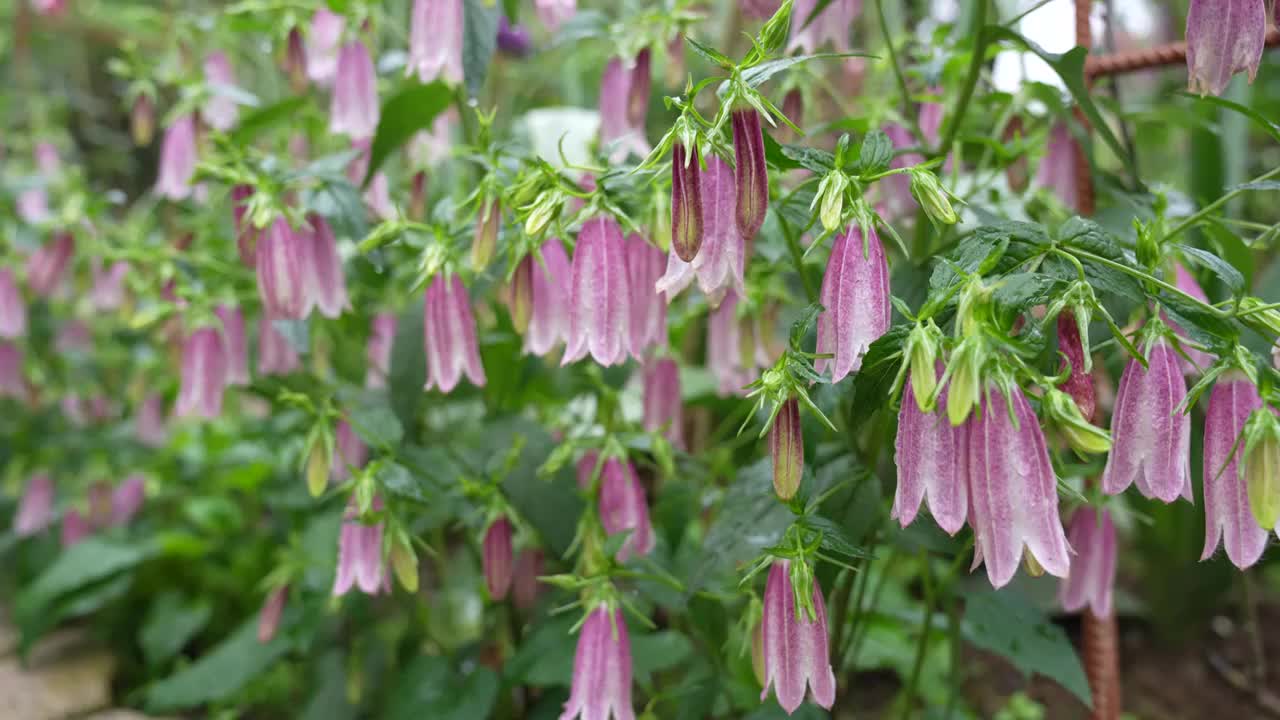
924	374
1262	466
932	198
486	238
965	382
520	296
786	445
404	562
1082	435
686	202
831	200
317	468
142	120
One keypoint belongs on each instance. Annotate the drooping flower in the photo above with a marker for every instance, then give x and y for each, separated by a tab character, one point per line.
601	669
323	40
13	310
1224	37
276	355
246	233
1226	495
349	451
1079	384
12	382
237	348
220	111
751	179
354	108
1093	572
269	615
326	286
930	117
1057	171
33	205
107	292
149	422
382	337
622	107
648	321
623	508
524	582
435	40
75	527
1196	360
513	40
832	25
796	651
541	295
686	204
127	499
599	319
1151	439
726	359
498	558
663	408
204	374
1012	489
786	447
360	556
554	13
855	293
35	509
283	270
177	159
929	454
450	335
719	263
47	265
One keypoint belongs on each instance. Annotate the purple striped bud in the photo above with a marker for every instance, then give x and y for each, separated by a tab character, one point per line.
74	528
107	293
1150	438
127	499
719	263
725	358
513	40
349	452
1012	489
686	203
360	556
541	298
13	310
295	60
1226	493
599	319
149	422
601	669
1093	572
751	178
450	335
354	110
1057	171
275	355
663	407
1196	360
1079	384
786	446
1224	37
12	382
220	111
623	508
554	13
855	293
486	237
177	159
435	40
648	321
142	120
237	348
246	233
524	583
382	336
48	264
624	97
283	265
269	615
796	651
326	285
204	374
35	509
831	26
323	39
498	558
928	450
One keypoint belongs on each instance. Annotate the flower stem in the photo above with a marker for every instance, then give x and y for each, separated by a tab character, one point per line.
971	82
1085	254
897	69
1204	211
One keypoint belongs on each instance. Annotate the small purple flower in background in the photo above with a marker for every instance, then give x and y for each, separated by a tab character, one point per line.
13	310
450	335
663	406
1227	515
48	264
33	206
107	293
12	382
237	348
295	60
1196	360
204	374
35	509
1093	572
47	159
764	9
598	315
623	508
269	615
323	40
276	356
360	556
786	447
554	13
601	669
541	294
896	189
127	499
728	362
354	109
931	468
349	451
220	111
283	262
930	117
1151	439
246	234
513	40
624	90
1012	489
796	650
751	178
1057	171
648	321
382	336
524	582
177	159
326	285
435	40
1224	37
74	528
855	293
832	25
498	558
149	422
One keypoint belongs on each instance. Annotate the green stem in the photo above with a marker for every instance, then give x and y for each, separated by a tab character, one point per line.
922	646
1217	312
797	259
1204	211
897	70
971	82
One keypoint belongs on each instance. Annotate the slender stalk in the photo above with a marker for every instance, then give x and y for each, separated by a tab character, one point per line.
1204	211
797	258
1145	276
897	70
971	82
922	645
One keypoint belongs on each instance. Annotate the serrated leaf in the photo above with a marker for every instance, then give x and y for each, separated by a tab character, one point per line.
816	159
875	153
267	117
1089	236
403	115
712	55
1017	293
1225	271
376	424
834	537
1204	327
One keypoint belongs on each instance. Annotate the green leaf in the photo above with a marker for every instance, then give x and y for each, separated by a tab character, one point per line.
295	333
1089	236
404	114
84	563
376	423
834	537
545	656
1258	118
220	673
655	652
170	624
711	54
757	75
400	481
871	385
1005	624
750	519
479	39
408	371
551	506
1225	271
429	687
267	117
1019	292
875	154
816	159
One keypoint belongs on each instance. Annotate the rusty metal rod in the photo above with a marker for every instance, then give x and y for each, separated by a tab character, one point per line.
1096	66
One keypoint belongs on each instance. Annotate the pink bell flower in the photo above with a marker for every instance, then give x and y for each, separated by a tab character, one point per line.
149	424
269	615
498	558
599	319
283	263
354	108
435	40
450	335
751	179
1227	515
929	454
796	650
220	111
35	509
276	356
624	97
663	407
726	359
204	374
764	9
524	583
325	284
127	499
382	336
13	309
349	451
74	528
177	159
323	40
831	26
1093	572
601	669
648	321
237	348
623	508
554	13
47	266
719	263
855	293
896	196
786	449
541	294
1057	171
1224	37
360	556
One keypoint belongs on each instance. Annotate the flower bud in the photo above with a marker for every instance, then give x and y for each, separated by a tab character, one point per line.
830	199
855	295
601	669
354	110
786	445
966	380
404	563
295	61
923	357
928	192
686	202
486	237
1262	466
177	159
498	558
142	120
269	615
1082	435
317	466
1072	345
750	175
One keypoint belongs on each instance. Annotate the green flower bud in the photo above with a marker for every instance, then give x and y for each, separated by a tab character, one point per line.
316	461
923	357
486	237
1266	322
404	561
1262	466
544	211
932	198
830	199
1082	435
965	382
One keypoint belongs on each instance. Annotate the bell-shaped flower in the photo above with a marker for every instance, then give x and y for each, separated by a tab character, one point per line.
12	381
276	355
541	294
663	408
435	40
601	669
832	25
108	289
599	318
1057	171
1196	360
1226	494
1093	571
269	615
32	205
1150	436
220	111
354	110
35	509
855	293
326	285
622	129
13	310
929	452
324	37
360	556
1224	37
284	262
895	190
554	13
786	448
498	558
623	508
648	321
75	527
796	651
730	357
47	266
204	374
237	348
1012	489
127	499
1079	383
450	335
149	424
751	179
524	581
177	159
686	206
762	9
382	336
720	261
